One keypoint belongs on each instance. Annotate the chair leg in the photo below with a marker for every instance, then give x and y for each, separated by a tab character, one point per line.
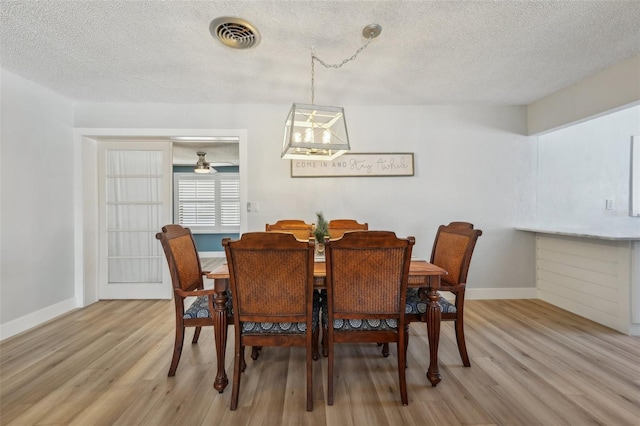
402	372
255	352
406	344
314	349
462	346
325	343
330	374
237	365
196	335
177	349
385	349
244	363
310	353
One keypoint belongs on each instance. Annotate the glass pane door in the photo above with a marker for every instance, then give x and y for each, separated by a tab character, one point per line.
136	197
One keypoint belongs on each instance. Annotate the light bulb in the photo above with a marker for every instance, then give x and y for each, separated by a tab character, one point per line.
326	136
308	134
297	137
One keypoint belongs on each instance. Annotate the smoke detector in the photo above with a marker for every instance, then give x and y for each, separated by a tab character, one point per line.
234	32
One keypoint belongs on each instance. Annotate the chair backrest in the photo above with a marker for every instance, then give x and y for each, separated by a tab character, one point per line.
182	257
367	274
452	250
271	277
337	227
302	230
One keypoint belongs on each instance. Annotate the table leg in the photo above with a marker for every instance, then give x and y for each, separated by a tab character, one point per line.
220	331
434	316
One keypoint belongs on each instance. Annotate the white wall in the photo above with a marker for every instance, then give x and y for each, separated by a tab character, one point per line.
472	164
37	223
581	166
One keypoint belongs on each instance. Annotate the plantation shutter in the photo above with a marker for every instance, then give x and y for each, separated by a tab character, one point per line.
208	203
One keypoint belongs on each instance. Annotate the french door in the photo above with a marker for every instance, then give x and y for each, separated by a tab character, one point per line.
134	180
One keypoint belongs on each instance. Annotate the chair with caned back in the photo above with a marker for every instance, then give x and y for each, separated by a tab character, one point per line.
187	279
274	304
337	227
452	251
367	273
302	230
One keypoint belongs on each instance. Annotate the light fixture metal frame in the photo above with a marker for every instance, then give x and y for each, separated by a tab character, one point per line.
319	120
319	132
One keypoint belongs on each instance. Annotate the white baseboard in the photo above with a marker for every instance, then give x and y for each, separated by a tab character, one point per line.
497	293
34	319
205	254
501	293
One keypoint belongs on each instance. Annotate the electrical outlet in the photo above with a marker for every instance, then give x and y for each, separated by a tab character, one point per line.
608	204
253	206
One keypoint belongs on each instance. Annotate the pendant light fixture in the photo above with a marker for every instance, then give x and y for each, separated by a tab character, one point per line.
315	132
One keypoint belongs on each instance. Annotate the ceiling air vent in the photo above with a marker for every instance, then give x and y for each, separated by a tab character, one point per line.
234	32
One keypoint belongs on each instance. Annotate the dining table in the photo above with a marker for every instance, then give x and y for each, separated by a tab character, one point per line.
422	274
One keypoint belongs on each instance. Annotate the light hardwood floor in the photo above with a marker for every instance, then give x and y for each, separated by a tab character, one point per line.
532	364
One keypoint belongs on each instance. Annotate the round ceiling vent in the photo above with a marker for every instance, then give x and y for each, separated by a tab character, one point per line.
234	32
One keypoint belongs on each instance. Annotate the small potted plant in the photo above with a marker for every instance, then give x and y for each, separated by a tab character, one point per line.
321	230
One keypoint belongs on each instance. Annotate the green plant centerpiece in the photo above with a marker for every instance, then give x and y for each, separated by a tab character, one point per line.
321	230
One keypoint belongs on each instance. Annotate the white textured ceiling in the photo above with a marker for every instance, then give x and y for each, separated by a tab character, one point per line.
429	52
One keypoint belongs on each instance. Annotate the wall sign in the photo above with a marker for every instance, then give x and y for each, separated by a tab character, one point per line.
356	165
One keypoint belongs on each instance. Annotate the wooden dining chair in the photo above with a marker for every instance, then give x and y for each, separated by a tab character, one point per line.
452	251
271	281
299	228
337	227
367	275
302	231
187	279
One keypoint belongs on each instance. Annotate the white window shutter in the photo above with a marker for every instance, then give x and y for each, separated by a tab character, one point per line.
208	203
229	202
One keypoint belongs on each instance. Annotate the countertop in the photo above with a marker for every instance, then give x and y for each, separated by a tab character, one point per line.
585	232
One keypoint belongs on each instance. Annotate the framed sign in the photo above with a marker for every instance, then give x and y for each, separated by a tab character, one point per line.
356	165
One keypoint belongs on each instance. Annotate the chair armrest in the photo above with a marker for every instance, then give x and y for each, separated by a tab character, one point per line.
453	288
422	291
204	292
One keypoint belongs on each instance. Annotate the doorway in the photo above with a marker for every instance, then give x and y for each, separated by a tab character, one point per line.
87	206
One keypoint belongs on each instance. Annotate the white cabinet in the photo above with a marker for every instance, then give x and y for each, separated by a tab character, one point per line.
594	275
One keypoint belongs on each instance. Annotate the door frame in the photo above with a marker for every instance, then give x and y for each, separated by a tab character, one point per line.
86	229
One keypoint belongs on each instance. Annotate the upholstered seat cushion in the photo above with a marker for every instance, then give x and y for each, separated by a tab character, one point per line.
200	307
355	324
284	327
368	324
415	305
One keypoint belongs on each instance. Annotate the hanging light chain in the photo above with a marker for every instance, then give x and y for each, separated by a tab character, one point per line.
355	55
314	58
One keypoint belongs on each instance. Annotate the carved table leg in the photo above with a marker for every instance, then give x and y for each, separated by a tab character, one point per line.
434	316
220	330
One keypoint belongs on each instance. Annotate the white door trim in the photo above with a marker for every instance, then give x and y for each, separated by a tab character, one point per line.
85	207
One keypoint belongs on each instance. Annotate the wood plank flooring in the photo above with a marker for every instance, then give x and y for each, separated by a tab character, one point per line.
532	364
